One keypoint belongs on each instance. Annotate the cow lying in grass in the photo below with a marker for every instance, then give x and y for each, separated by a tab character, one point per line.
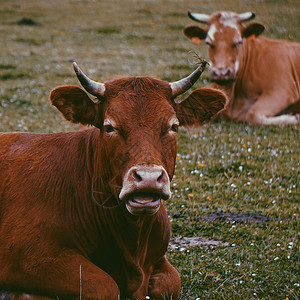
260	76
81	213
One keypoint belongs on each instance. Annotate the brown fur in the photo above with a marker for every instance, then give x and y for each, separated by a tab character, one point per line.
59	207
266	88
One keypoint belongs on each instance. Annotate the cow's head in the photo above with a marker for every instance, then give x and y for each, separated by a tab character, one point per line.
224	36
138	119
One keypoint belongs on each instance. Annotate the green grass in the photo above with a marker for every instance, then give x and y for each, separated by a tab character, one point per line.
221	167
239	168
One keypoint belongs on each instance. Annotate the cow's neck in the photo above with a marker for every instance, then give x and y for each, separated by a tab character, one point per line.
108	216
125	243
127	240
94	221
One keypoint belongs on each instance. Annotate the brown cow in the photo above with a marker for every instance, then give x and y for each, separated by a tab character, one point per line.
260	76
81	213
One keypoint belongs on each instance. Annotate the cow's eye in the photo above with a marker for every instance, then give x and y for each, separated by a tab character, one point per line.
235	45
209	45
108	128
174	128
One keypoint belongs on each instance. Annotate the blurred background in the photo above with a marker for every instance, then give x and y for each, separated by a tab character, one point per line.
39	39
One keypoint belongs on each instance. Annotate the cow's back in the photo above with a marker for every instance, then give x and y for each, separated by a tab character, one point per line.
270	61
29	159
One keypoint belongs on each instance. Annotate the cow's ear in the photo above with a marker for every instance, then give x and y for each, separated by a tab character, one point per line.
253	29
195	34
75	105
200	106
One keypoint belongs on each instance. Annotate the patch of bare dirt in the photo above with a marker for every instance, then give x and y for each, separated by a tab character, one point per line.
182	243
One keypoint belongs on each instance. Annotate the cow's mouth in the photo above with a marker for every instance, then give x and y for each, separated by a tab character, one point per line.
143	204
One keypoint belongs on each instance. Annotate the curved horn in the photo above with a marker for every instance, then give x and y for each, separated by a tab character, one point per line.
203	18
182	85
91	86
247	16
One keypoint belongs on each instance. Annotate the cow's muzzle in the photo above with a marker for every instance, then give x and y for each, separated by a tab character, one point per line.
222	75
144	186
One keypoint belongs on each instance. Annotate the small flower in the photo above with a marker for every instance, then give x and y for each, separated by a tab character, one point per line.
208	198
201	165
191	195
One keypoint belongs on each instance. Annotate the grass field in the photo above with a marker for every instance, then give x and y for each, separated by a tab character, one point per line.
222	168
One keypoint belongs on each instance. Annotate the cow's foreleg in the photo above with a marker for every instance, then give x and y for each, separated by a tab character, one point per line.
68	275
282	120
277	120
264	112
164	282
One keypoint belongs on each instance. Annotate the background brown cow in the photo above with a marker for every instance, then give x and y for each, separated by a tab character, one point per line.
260	76
81	212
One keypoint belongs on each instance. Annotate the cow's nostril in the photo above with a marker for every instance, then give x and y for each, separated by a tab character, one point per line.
228	73
160	177
137	176
214	73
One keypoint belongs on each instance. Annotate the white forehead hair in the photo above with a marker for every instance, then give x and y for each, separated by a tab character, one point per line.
228	21
228	18
211	32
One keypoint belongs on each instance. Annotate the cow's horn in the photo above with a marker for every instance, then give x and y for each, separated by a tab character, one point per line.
182	85
203	18
91	86
247	16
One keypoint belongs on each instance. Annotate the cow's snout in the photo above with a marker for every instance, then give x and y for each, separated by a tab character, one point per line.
144	186
148	177
222	74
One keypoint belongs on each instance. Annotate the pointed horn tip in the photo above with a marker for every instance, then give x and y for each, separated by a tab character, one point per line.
201	67
199	17
247	16
203	63
182	85
75	67
191	16
93	87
